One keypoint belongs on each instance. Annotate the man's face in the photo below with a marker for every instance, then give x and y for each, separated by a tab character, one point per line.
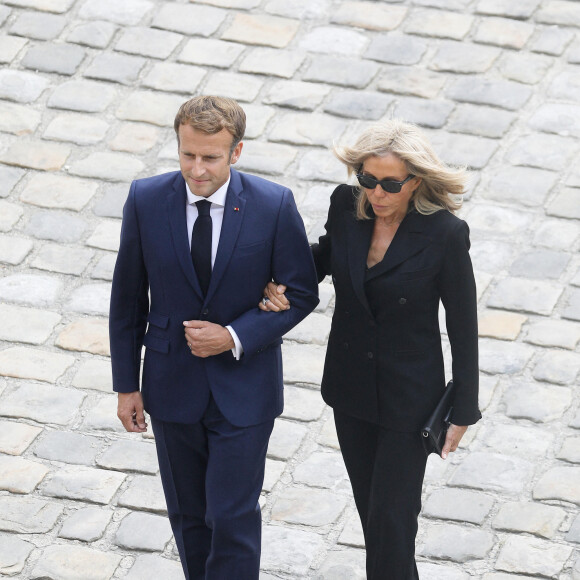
205	159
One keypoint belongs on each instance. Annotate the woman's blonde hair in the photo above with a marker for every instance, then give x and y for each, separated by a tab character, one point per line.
408	143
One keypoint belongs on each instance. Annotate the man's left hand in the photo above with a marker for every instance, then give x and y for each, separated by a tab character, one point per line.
206	338
454	435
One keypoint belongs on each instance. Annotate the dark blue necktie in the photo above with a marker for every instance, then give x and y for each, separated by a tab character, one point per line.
201	244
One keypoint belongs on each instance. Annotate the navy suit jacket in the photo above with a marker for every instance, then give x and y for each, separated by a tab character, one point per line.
155	288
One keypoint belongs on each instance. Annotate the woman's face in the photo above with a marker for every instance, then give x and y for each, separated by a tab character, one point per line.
389	205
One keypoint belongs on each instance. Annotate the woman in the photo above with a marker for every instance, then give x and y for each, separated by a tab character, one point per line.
394	249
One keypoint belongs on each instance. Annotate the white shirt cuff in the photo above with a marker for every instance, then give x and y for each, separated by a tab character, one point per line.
238	350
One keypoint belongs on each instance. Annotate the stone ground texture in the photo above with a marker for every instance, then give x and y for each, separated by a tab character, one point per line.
88	91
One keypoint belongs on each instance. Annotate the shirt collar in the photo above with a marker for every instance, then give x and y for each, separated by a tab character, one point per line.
218	197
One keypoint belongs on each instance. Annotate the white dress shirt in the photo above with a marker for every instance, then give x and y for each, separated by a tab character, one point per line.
218	202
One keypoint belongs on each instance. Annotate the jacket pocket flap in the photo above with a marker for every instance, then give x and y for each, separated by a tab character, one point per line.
156	343
158	320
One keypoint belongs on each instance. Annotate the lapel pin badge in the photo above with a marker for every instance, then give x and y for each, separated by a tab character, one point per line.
236	209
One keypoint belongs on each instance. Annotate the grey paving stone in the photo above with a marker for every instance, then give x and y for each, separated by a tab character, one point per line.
272	62
56	225
261	29
126	455
150	107
10	213
468	150
557	367
574	53
90	299
49	57
566	204
478	120
112	202
532	518
349	563
134	138
118	68
85	96
307	129
96	34
537	402
523	9
551	40
140	531
299	9
493	472
28	515
36	290
369	15
176	78
572	305
243	88
570	451
424	112
102	416
505	94
499	219
358	104
58	191
323	469
504	32
296	95
343	71
396	48
108	166
152	567
83	483
28	325
21	86
85	335
556	234
128	13
446	4
532	556
558	12
13	250
525	295
18	119
94	374
559	118
439	23
189	19
10	46
144	493
487	386
268	158
4	13
303	363
80	129
456	543
13	554
321	166
314	329
540	264
274	470
459	505
560	483
68	447
38	25
104	268
36	154
15	437
210	52
411	81
308	507
554	333
86	524
67	562
286	439
58	6
565	85
63	259
545	151
517	440
19	475
430	571
9	177
257	119
148	42
302	404
459	57
524	67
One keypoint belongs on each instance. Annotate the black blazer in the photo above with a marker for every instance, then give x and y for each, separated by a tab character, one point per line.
393	359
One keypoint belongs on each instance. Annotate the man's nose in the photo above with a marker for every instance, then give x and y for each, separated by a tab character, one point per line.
198	167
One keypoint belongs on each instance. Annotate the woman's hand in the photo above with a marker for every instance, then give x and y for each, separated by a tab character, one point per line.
274	298
454	435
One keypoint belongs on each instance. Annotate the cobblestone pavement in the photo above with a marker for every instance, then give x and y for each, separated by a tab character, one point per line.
88	91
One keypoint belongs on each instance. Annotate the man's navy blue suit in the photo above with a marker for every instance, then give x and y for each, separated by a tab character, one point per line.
222	407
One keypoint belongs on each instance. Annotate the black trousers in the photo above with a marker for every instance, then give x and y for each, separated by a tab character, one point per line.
386	470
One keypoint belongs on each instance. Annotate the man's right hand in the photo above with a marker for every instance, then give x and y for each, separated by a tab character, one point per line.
130	411
275	298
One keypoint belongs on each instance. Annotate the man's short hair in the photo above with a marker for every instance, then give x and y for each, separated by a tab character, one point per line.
210	115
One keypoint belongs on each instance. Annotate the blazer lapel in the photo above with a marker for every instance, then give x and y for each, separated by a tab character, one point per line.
359	233
231	225
408	241
176	202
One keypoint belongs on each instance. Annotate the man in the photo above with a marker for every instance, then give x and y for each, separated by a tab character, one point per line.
187	281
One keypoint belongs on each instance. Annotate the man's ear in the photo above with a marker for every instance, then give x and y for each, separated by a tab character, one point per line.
236	152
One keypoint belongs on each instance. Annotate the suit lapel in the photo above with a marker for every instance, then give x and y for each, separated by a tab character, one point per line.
176	202
231	225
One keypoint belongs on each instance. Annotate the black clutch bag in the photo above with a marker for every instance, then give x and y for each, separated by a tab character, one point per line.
435	429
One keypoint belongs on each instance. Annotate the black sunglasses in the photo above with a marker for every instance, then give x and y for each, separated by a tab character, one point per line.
389	185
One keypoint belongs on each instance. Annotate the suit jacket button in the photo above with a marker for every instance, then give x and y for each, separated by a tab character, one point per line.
370	354
402	301
345	345
205	312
